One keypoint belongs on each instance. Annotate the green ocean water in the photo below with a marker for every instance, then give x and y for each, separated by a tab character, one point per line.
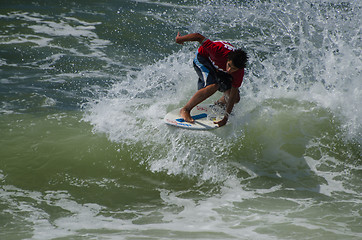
85	154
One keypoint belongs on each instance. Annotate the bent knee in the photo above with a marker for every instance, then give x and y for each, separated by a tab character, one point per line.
212	87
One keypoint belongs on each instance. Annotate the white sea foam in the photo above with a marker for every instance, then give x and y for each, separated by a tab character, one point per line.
135	106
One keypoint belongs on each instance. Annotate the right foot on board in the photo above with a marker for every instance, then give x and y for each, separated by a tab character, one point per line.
185	114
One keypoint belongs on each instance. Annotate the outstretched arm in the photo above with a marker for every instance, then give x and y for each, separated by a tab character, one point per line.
189	38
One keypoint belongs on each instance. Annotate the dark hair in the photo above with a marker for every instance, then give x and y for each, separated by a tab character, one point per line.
239	58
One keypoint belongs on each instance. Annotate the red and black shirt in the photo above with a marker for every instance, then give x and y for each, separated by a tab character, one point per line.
217	52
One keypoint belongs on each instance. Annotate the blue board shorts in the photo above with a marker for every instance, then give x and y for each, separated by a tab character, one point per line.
208	74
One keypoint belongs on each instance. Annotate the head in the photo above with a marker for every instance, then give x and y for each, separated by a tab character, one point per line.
236	60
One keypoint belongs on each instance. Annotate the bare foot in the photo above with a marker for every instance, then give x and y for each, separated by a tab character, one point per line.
185	114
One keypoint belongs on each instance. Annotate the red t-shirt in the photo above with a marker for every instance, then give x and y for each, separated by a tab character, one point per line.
217	53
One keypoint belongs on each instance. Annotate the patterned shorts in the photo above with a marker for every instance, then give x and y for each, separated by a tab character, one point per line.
208	74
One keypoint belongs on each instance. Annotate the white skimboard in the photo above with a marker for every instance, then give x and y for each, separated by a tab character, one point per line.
204	115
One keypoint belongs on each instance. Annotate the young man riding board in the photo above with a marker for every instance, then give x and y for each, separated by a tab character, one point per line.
220	67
